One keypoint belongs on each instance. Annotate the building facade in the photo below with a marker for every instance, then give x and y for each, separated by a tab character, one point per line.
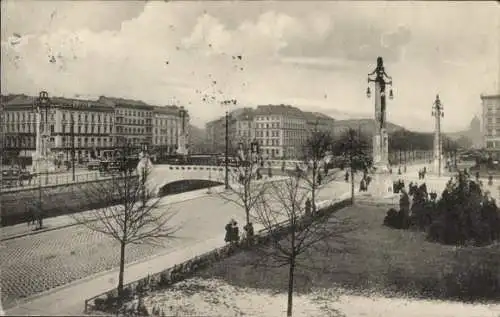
240	130
491	121
281	130
133	121
92	127
167	127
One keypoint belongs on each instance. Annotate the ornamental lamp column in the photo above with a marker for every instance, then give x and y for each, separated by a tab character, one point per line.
437	113
380	140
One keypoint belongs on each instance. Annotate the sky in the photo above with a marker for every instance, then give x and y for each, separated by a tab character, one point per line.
314	55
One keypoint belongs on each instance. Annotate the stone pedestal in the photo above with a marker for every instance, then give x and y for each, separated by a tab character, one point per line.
182	148
43	165
381	185
381	151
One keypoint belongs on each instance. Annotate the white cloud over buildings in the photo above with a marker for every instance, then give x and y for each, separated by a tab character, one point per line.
156	51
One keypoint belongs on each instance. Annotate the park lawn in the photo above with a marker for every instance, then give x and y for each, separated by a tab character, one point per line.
378	259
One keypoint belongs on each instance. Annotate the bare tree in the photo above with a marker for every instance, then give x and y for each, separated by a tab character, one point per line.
315	150
247	192
354	149
132	216
293	231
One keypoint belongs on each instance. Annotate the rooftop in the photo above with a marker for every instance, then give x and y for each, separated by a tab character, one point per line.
286	110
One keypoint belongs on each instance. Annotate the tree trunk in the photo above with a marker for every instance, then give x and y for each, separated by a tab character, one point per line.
122	268
313	189
352	186
290	287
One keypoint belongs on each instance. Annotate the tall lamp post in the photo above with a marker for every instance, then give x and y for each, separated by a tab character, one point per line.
72	145
226	154
438	113
182	137
380	140
42	105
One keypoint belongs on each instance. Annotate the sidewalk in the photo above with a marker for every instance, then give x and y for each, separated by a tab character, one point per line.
54	223
63	221
70	299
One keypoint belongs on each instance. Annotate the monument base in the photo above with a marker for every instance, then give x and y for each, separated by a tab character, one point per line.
381	185
43	165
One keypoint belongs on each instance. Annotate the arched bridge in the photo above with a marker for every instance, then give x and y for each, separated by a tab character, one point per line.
163	174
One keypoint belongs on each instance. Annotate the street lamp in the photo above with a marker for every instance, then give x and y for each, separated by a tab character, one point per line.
438	113
226	178
42	104
380	144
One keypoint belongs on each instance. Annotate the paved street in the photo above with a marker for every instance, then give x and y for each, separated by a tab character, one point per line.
43	261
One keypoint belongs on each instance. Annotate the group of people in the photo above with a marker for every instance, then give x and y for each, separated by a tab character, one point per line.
232	235
422	172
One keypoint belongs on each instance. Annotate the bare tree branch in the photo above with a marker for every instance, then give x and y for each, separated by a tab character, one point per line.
132	215
292	230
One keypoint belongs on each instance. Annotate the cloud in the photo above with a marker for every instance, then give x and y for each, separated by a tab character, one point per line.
155	51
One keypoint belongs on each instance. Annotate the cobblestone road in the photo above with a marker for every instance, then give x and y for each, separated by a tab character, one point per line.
43	261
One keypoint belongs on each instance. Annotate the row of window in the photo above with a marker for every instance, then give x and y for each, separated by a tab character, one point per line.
135	113
130	130
65	128
272	125
164	140
161	122
131	121
267	134
272	118
28	116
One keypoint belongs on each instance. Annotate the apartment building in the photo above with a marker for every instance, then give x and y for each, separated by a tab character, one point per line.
491	121
133	121
281	130
98	125
240	130
92	124
167	126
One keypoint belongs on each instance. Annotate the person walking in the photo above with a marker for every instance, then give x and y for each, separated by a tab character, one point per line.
235	232
308	206
228	228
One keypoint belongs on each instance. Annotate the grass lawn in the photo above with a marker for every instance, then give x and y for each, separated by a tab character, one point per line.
379	258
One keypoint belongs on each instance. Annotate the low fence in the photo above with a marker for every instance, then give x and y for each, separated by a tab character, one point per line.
168	277
46	180
55	200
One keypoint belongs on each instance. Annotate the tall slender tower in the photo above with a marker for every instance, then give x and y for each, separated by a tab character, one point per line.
437	112
380	139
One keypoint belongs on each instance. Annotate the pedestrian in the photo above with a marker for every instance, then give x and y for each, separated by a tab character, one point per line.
346	176
249	233
490	180
235	232
228	227
362	185
308	206
399	170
